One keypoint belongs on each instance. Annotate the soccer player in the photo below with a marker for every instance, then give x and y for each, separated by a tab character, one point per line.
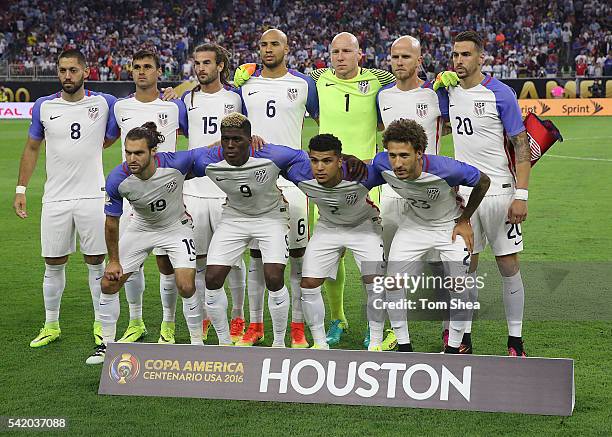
276	100
485	118
207	104
435	221
76	125
170	117
348	220
153	184
413	99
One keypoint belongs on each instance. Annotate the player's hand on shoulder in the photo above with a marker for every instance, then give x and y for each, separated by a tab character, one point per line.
243	74
19	205
169	94
113	271
357	169
517	213
463	228
257	142
445	79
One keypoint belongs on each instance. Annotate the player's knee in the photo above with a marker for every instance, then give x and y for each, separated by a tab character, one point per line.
57	261
311	282
164	265
508	264
275	280
186	288
93	259
214	278
108	286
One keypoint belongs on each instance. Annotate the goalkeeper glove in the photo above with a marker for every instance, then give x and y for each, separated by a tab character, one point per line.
445	79
243	73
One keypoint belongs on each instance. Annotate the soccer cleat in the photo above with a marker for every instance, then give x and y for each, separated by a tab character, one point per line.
298	339
444	338
335	331
134	332
404	347
390	341
205	328
166	333
320	346
98	356
97	332
451	350
513	352
236	329
48	333
366	339
465	349
377	348
515	347
253	335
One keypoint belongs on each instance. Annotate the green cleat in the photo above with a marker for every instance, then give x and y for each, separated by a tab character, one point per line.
97	333
390	341
50	332
134	332
320	346
337	328
373	348
166	333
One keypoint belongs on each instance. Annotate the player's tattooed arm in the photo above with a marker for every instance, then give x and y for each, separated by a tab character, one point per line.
517	213
111	233
26	168
463	227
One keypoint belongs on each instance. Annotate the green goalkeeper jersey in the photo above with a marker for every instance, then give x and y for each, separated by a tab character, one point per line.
347	108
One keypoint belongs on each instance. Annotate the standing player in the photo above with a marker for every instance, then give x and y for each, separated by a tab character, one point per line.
74	124
207	104
169	116
276	100
153	184
485	115
412	99
349	220
436	223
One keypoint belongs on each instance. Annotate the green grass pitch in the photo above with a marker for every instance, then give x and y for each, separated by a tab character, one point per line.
569	220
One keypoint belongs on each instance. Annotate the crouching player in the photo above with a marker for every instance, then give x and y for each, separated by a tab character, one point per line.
153	184
434	220
348	220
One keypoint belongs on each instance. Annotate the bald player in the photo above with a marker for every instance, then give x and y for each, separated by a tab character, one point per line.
276	100
413	99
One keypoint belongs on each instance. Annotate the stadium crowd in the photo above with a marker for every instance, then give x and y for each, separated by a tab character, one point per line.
528	38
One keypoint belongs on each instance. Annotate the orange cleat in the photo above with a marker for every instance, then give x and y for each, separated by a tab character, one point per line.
205	328
236	329
253	335
298	339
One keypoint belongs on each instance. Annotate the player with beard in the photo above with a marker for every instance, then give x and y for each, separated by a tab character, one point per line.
76	124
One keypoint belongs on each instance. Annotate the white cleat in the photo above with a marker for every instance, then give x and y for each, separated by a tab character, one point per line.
98	356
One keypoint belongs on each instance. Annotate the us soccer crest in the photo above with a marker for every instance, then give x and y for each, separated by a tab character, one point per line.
479	108
292	94
351	198
229	108
93	112
162	119
422	109
261	175
364	86
433	193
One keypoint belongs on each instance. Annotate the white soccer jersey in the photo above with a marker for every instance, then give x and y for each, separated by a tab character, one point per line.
251	188
482	117
346	204
432	200
205	112
169	116
421	104
74	133
157	202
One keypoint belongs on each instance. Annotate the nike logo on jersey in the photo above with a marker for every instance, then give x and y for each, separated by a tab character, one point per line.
330	84
252	92
221	179
53	118
299	239
516	243
387	108
191	259
451	105
125	119
191	109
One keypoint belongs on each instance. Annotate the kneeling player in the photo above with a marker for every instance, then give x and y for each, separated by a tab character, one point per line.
348	220
153	184
434	219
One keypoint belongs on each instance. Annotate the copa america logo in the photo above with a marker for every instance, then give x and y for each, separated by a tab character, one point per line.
124	368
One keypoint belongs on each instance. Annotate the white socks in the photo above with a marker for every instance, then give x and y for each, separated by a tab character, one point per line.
257	288
514	302
473	293
314	313
109	314
169	295
295	278
96	272
54	283
134	288
398	315
278	304
236	282
376	315
200	283
216	307
193	317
